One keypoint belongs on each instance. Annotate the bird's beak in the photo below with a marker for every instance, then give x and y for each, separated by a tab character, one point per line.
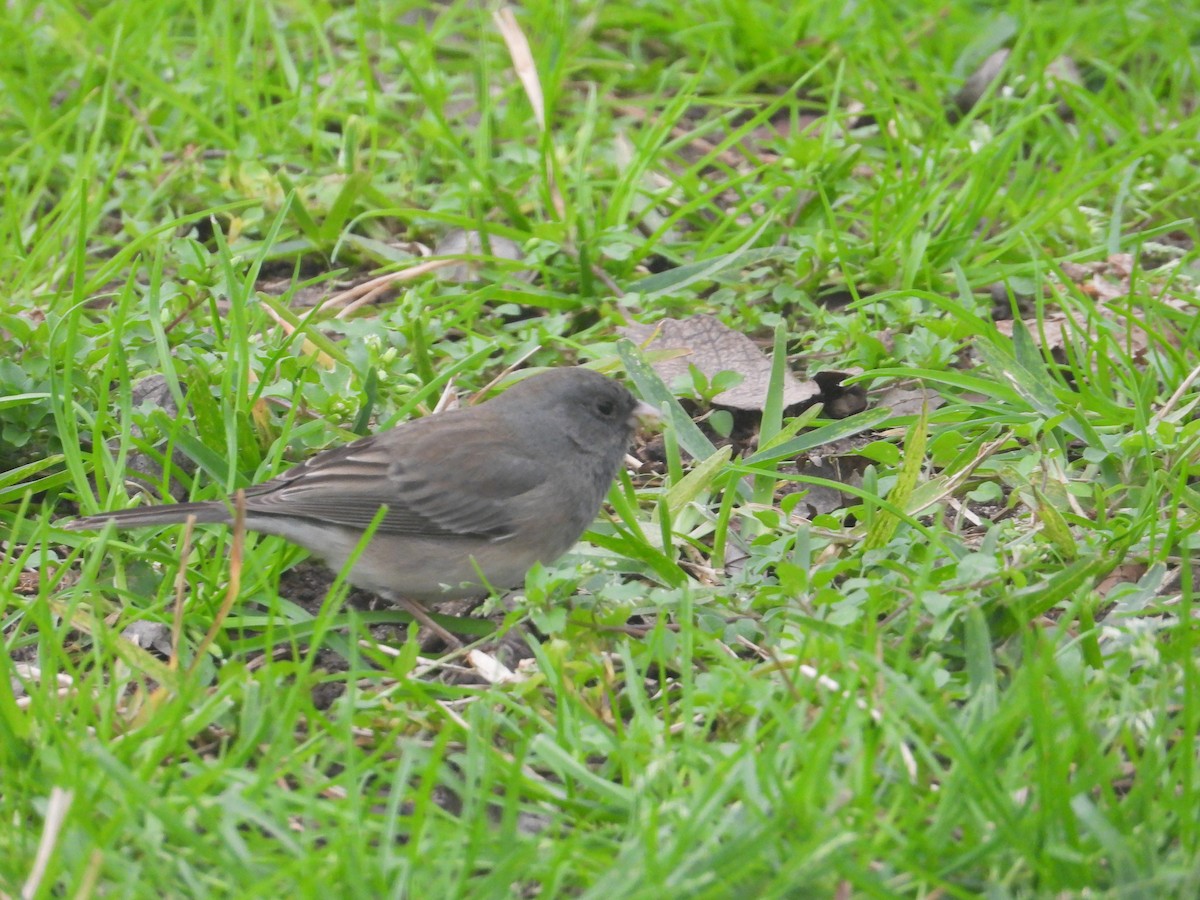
644	414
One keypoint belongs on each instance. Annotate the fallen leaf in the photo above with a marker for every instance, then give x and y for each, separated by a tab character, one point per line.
906	402
712	347
144	471
980	80
1125	573
1107	282
470	243
820	499
154	636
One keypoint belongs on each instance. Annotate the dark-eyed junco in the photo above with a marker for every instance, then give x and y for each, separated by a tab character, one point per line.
485	490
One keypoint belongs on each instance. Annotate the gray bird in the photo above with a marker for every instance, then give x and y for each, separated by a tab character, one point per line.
490	489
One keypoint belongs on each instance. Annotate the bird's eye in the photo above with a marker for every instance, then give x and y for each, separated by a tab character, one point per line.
606	407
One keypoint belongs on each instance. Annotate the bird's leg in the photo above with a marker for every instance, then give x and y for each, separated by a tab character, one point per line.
418	612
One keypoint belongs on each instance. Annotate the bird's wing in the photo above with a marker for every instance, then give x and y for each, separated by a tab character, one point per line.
437	476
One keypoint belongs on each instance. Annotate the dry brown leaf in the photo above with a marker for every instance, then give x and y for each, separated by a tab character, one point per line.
904	401
1061	73
821	499
27	583
712	347
527	73
522	58
1126	573
1106	282
459	242
980	80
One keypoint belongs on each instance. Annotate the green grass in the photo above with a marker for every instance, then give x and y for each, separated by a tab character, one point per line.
978	677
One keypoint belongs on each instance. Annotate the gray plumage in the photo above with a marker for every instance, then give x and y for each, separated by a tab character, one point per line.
491	488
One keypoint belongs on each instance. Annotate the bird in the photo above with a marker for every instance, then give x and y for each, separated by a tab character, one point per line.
475	496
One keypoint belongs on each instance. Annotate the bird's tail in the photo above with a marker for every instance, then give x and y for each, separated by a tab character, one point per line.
170	514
